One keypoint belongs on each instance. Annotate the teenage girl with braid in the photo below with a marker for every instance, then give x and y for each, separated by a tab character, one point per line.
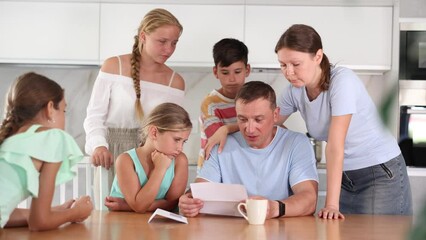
130	86
35	155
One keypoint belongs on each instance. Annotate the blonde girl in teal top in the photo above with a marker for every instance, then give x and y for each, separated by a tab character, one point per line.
35	155
155	174
143	178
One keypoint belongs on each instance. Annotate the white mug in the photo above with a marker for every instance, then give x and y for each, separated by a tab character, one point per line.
256	210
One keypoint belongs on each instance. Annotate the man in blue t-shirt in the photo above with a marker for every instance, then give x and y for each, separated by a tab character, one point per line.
271	162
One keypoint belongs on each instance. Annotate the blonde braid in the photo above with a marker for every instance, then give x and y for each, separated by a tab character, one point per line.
151	21
135	62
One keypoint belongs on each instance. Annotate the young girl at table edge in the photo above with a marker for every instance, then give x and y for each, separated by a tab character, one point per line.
154	175
36	154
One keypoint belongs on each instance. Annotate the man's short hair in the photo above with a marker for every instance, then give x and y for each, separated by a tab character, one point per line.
228	51
254	90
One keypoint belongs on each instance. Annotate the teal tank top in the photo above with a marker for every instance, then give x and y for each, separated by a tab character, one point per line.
165	184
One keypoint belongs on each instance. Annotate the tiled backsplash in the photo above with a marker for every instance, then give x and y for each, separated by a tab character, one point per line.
78	82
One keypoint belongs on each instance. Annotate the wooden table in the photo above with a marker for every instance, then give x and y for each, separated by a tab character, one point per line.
123	225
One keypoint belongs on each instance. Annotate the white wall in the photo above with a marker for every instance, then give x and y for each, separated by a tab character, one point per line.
412	8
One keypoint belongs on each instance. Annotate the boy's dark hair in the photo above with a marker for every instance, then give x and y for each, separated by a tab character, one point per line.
228	51
254	90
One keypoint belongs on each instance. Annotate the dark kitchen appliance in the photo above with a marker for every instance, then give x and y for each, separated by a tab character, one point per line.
412	135
412	91
412	51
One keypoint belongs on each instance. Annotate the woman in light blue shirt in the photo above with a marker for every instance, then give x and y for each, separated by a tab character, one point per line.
366	173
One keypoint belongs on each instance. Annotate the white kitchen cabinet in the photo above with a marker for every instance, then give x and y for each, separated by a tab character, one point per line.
49	32
358	37
203	26
321	3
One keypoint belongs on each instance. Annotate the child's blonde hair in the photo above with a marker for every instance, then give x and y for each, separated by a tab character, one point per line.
152	20
166	117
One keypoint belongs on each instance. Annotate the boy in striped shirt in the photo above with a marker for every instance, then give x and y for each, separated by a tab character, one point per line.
218	107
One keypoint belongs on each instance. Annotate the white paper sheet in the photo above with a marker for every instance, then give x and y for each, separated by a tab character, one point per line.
167	214
219	198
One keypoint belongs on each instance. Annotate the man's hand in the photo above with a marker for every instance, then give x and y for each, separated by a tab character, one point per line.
188	206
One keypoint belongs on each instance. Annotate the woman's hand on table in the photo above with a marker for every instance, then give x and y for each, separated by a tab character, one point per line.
330	212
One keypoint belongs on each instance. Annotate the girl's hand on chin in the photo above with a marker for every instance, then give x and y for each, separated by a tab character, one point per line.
160	160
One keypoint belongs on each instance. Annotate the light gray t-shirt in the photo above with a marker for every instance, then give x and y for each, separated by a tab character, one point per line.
367	142
269	172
